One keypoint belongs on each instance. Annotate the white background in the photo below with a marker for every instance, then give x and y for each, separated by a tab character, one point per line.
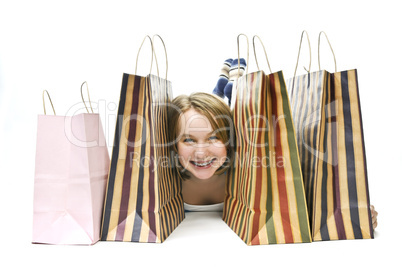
57	45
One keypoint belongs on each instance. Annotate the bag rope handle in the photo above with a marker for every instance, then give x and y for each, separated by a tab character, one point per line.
265	52
319	36
238	54
152	55
166	58
89	99
298	55
43	99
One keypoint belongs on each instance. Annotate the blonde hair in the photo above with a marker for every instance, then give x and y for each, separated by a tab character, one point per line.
218	114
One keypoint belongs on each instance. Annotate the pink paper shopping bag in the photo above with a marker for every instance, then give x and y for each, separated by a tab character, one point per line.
71	170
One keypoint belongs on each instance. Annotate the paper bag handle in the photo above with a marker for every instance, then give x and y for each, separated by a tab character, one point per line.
255	55
89	99
152	55
298	55
166	58
238	54
319	36
43	99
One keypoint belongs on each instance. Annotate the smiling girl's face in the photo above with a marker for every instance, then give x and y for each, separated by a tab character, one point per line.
199	149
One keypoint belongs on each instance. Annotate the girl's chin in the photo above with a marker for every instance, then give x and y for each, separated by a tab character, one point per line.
202	176
202	173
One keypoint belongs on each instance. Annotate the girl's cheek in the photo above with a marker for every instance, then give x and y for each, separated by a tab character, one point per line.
184	150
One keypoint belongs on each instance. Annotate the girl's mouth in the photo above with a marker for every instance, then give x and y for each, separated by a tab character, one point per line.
202	164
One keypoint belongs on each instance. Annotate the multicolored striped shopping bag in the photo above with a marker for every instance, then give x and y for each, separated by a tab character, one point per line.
143	198
328	122
265	202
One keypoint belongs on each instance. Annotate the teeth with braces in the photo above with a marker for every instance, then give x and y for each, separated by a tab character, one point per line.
202	164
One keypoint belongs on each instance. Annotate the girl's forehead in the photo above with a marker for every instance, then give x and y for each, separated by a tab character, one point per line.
192	120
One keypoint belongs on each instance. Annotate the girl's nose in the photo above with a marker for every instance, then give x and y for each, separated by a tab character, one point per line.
200	154
201	150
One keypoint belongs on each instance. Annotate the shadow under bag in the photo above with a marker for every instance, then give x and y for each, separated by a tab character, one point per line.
328	122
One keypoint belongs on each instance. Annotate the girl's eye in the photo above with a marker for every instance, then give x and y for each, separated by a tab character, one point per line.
188	140
213	138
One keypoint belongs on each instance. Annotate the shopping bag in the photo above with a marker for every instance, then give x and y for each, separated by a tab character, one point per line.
71	168
143	199
328	122
265	202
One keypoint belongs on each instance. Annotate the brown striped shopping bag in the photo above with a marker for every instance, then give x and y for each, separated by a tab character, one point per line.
265	202
143	198
327	118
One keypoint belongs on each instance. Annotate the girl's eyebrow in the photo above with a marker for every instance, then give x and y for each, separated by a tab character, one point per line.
192	136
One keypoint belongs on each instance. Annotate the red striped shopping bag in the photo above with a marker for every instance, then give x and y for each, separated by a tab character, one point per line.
143	198
328	122
265	202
